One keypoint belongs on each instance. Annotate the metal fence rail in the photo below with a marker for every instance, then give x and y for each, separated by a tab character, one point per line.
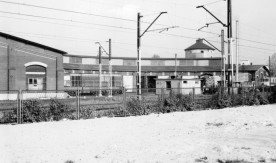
15	106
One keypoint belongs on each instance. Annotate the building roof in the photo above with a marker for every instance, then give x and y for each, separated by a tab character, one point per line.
199	45
70	66
135	58
250	67
8	36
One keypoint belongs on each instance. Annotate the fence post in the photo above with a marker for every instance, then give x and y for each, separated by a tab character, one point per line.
263	90
78	103
193	94
242	93
124	100
20	107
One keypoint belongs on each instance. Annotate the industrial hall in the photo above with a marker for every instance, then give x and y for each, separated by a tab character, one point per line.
28	65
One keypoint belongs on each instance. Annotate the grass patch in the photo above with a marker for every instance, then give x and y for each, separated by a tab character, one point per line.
215	124
232	161
69	161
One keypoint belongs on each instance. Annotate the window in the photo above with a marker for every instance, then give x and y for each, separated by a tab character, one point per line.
30	81
202	51
76	81
129	62
196	82
75	60
185	81
168	84
35	81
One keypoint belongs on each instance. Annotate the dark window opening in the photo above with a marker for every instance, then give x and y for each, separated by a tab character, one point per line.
168	84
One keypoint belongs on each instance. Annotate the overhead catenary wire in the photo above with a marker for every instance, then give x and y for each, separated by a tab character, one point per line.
67	20
104	16
120	27
71	11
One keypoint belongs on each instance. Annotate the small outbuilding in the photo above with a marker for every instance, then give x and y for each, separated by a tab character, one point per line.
178	85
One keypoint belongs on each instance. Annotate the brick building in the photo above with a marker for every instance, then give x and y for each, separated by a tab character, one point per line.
28	65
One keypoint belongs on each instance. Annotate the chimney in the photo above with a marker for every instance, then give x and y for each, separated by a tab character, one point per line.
251	63
199	40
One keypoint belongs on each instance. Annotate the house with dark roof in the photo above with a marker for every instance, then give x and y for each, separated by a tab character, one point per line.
199	50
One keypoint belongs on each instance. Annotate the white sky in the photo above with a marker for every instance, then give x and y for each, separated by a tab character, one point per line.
77	33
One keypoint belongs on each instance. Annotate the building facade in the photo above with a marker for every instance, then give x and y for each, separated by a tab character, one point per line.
27	65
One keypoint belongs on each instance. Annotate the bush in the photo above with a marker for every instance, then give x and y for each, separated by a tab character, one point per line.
137	107
237	99
34	112
87	113
9	116
272	96
58	110
220	100
255	97
177	102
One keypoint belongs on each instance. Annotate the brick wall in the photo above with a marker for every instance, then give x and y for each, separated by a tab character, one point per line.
19	54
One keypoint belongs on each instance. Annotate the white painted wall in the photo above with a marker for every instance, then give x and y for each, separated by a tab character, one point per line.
128	83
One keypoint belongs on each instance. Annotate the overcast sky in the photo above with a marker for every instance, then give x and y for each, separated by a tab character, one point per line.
77	33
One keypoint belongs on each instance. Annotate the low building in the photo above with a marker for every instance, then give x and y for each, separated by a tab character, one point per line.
180	85
29	66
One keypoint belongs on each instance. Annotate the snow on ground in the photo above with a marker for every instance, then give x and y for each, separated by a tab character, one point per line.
247	133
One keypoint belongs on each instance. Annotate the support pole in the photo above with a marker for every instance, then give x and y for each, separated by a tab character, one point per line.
223	59
269	72
232	61
100	71
110	70
175	66
139	86
229	36
139	92
237	51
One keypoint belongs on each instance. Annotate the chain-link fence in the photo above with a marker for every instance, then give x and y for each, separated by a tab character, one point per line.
34	106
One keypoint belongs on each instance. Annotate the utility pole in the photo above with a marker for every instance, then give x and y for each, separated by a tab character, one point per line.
229	36
223	57
269	71
109	65
230	41
139	85
110	69
237	51
100	71
175	66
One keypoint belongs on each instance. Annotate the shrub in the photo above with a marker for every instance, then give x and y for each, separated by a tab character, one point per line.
34	112
8	117
58	110
237	100
220	100
87	113
178	102
255	97
137	107
272	96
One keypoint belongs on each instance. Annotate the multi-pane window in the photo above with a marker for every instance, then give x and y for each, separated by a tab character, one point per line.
129	62
75	60
76	81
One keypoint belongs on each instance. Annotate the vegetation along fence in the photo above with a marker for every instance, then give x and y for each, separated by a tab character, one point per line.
25	106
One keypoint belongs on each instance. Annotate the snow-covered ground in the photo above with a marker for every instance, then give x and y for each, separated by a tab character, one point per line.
247	133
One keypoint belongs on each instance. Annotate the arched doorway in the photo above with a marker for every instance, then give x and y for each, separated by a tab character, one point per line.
36	77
